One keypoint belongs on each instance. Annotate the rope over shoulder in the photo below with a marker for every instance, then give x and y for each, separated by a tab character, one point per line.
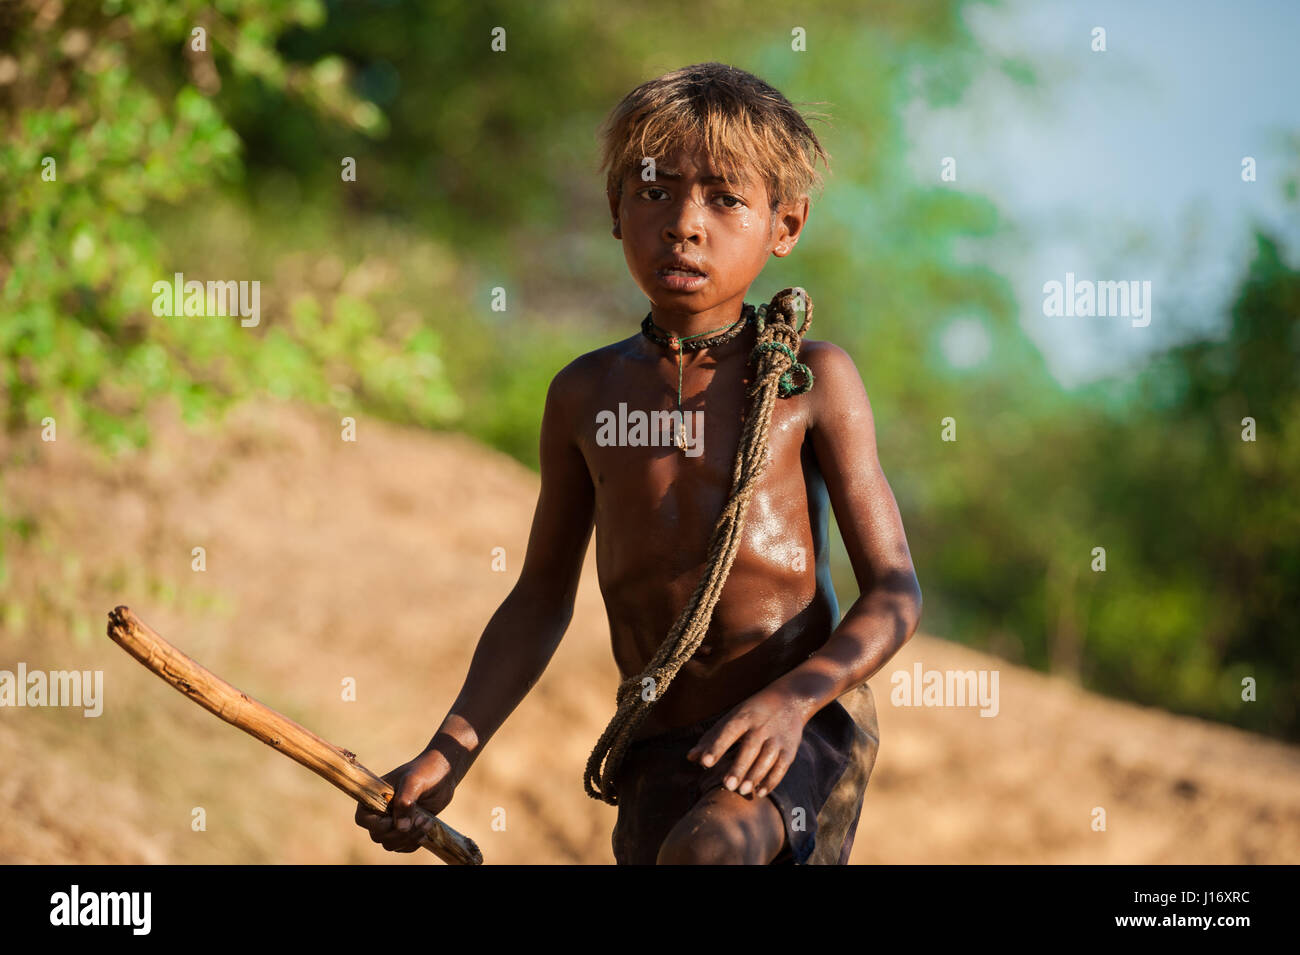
786	304
776	366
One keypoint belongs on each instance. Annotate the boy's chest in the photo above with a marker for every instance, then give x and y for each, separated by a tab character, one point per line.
646	456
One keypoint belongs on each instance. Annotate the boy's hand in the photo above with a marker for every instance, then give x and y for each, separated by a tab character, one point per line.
769	726
428	781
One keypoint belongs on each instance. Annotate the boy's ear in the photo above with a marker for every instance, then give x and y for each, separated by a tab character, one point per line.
614	202
787	225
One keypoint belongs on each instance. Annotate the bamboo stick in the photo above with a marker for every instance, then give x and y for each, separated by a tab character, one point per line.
337	766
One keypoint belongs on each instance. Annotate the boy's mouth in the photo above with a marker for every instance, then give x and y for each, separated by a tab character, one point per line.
679	263
681	275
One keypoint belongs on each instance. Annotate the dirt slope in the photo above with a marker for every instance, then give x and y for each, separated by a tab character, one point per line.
328	560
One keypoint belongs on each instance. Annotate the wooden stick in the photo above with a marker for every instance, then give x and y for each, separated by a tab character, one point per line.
338	766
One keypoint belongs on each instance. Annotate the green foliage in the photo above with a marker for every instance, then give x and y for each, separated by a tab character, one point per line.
1201	529
115	131
109	116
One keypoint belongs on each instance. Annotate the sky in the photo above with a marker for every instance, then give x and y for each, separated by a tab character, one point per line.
1123	164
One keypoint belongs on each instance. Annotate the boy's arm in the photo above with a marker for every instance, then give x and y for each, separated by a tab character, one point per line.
769	724
888	607
518	641
526	629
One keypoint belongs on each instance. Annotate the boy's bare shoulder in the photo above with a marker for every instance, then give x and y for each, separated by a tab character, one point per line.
839	397
590	367
569	395
831	365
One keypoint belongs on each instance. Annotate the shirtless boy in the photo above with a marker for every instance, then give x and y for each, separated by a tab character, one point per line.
758	750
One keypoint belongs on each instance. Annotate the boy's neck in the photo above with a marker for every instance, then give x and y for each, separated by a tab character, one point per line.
683	324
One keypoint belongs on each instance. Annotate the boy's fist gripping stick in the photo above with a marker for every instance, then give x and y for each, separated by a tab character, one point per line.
338	766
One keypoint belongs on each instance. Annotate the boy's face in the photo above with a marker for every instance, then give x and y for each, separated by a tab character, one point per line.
726	231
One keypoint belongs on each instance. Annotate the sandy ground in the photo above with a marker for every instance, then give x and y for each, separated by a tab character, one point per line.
329	560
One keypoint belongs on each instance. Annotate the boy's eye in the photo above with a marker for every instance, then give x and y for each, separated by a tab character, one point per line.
730	201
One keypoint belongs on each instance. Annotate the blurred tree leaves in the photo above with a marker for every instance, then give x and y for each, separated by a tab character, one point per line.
104	119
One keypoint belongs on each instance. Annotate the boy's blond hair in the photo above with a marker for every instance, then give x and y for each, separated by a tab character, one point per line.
736	118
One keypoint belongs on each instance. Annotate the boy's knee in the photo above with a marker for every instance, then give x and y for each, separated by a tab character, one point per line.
705	844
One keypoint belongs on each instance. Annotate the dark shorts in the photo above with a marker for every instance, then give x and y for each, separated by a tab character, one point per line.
819	797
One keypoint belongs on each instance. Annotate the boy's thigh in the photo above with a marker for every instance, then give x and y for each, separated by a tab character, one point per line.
726	828
657	786
662	793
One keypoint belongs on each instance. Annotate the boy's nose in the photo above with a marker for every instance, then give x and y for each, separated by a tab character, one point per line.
684	222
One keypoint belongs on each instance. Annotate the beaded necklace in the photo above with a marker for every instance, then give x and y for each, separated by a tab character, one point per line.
678	344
